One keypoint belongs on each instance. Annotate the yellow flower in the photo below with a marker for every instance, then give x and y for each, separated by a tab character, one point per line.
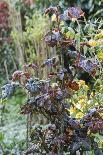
68	34
84	105
100	55
81	83
81	104
92	42
81	101
101	114
72	110
99	35
79	115
53	18
82	97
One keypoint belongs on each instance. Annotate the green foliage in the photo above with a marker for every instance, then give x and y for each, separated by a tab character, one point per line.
1	137
7	55
91	8
35	27
13	133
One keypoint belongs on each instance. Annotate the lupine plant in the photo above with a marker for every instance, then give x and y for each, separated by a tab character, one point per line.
52	97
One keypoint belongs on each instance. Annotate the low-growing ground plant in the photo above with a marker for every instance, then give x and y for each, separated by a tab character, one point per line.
75	120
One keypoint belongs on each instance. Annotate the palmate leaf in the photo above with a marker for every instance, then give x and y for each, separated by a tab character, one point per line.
33	149
52	37
82	63
8	90
83	144
72	13
74	147
86	65
75	12
49	62
74	123
32	86
18	75
31	65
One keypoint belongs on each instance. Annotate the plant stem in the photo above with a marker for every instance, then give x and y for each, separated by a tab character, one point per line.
27	138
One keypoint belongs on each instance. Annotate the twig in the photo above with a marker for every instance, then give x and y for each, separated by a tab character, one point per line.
27	133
